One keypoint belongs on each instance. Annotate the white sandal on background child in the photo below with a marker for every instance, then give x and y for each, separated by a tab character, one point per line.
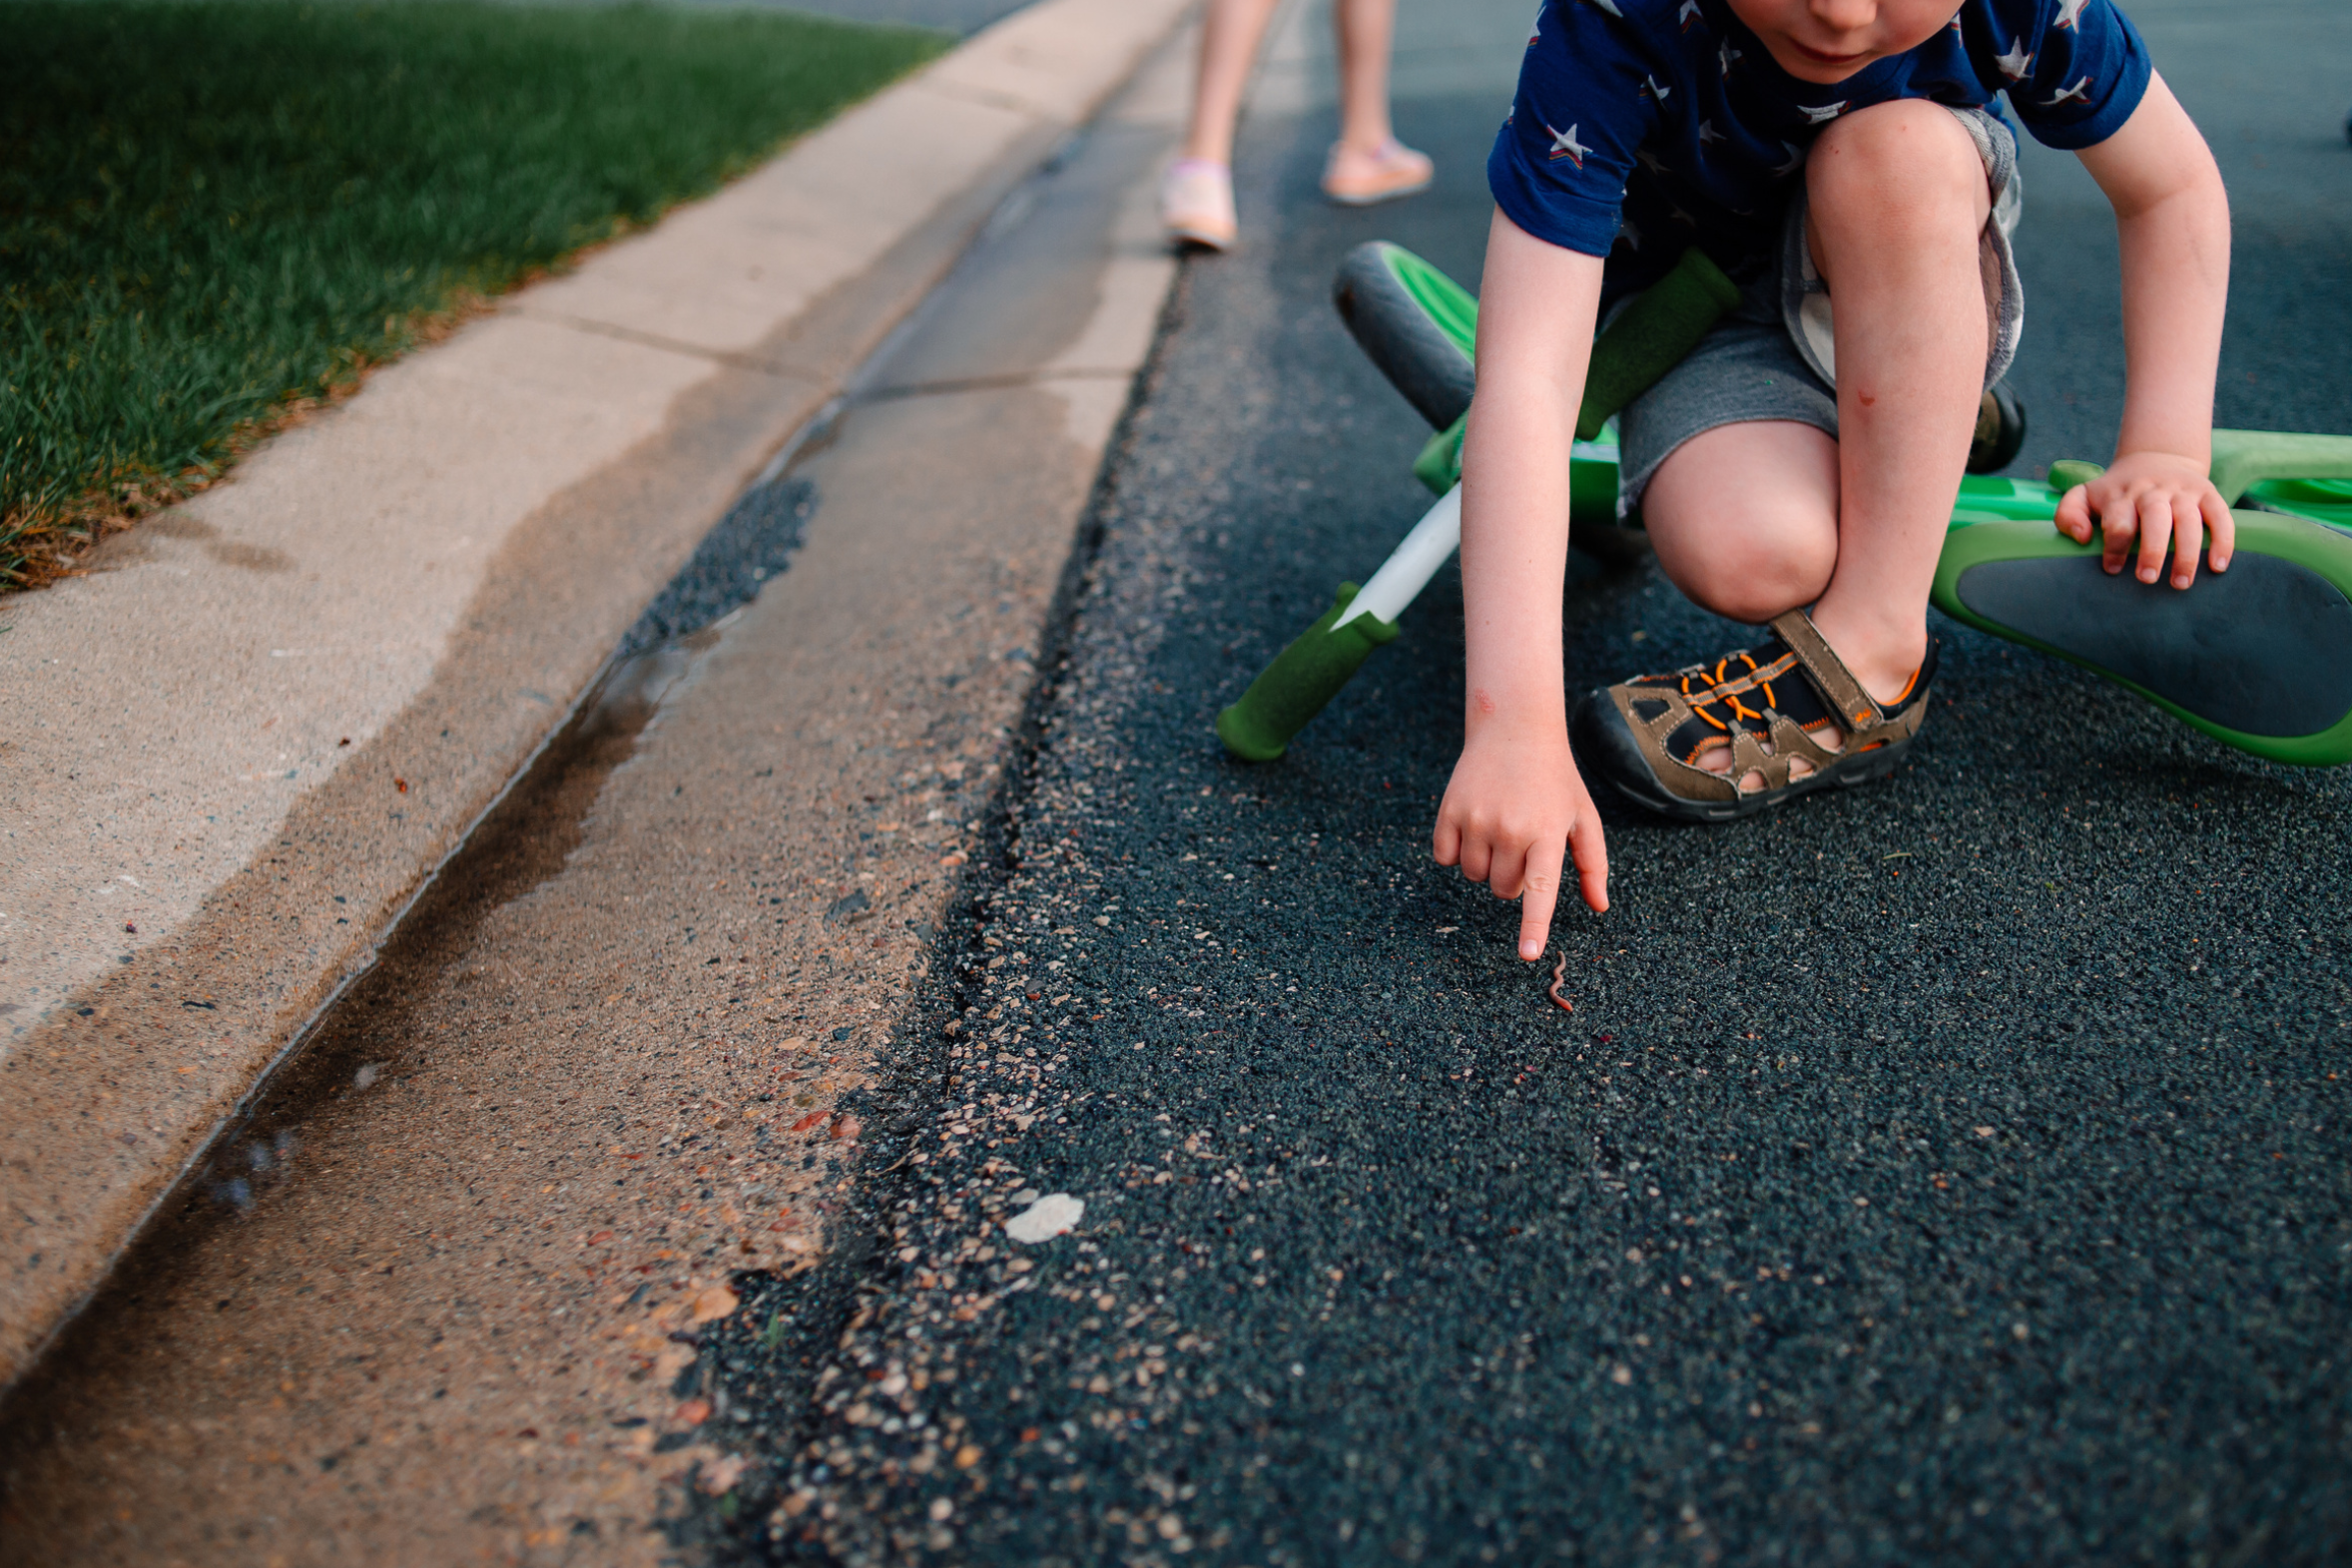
1196	204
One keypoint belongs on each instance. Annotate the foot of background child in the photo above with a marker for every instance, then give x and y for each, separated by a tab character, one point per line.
1361	177
1196	204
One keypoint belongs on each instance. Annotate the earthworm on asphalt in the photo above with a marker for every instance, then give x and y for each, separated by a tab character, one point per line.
1559	975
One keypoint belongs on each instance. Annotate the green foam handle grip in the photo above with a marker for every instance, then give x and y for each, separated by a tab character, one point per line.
1651	336
1301	679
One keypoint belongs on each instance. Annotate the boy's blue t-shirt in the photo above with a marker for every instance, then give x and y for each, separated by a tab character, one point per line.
1642	126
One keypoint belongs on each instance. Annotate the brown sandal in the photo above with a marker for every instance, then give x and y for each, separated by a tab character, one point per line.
1767	703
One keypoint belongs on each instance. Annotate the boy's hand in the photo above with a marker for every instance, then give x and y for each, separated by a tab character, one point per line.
2159	500
1514	808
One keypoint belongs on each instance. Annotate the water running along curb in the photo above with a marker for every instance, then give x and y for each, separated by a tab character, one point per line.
415	707
545	1146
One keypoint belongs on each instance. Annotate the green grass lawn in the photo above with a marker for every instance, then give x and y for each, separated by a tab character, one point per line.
210	211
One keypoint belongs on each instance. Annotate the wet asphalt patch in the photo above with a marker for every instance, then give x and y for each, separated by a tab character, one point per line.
755	541
1951	1170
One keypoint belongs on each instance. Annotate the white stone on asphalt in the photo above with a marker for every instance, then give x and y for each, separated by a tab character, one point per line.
1056	1213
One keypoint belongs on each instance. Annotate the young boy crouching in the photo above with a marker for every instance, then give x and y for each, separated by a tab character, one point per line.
1845	162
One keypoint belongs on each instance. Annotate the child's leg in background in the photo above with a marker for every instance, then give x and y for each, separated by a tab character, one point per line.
1364	29
1366	164
1230	35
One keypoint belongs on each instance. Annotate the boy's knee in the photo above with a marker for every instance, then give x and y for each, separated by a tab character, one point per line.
1892	159
1772	570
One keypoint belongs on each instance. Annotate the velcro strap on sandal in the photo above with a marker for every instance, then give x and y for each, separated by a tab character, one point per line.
1831	677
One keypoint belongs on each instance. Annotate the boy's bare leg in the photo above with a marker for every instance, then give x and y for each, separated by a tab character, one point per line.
1758	518
1899	199
1744	519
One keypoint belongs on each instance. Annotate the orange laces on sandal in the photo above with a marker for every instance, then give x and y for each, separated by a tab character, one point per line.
1723	687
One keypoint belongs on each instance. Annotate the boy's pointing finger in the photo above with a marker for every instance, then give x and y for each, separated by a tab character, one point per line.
1540	897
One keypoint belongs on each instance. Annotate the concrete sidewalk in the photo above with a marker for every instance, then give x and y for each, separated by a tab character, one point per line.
619	1078
244	744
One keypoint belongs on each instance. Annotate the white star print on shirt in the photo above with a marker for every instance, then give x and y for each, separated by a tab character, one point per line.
1725	55
1826	113
1611	6
1708	135
2071	14
2016	62
1688	14
1657	90
1794	162
2078	93
1566	145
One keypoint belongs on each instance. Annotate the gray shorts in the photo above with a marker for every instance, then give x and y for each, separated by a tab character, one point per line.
1775	357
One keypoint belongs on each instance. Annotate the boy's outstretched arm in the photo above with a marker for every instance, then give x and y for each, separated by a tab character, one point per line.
2173	219
1516	807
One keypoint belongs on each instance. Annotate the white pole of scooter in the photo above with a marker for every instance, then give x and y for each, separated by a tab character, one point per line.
1409	569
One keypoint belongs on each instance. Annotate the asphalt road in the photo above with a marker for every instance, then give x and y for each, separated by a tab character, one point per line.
1952	1170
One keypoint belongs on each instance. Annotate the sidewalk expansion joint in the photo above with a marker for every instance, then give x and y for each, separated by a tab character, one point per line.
993	100
644	339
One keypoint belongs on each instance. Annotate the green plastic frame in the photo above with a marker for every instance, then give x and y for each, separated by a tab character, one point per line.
1454	310
2306	477
1990	537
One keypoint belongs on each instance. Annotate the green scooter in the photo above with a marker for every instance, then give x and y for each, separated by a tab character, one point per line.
2259	657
